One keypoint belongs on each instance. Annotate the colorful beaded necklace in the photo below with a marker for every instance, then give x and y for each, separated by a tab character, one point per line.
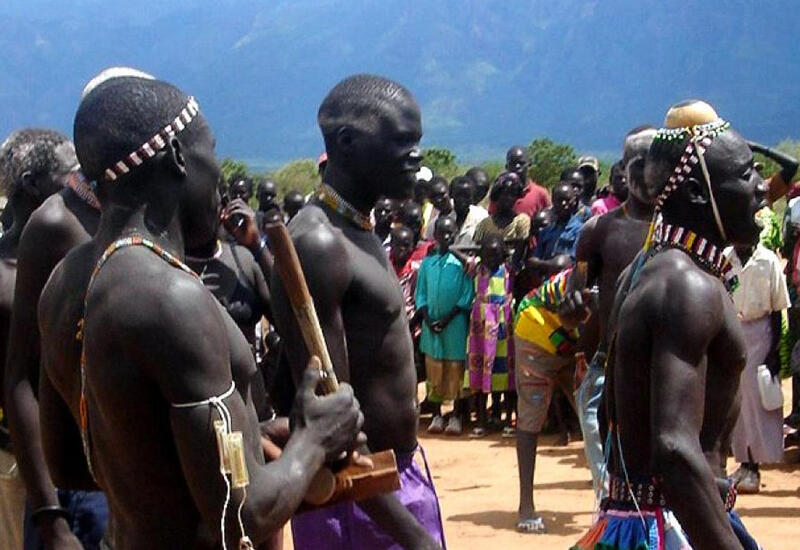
134	240
328	196
708	256
77	182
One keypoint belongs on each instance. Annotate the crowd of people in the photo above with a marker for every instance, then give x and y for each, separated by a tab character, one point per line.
157	388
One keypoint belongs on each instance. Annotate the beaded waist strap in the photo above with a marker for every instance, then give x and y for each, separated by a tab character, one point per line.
645	492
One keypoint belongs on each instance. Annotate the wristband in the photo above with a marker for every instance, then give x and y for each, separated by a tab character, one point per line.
53	509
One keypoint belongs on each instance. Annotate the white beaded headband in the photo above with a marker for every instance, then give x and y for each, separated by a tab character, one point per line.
154	144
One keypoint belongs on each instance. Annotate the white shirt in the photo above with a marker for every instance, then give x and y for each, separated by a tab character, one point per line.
762	285
475	215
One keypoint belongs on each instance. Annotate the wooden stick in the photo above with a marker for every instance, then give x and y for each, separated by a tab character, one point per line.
294	283
354	482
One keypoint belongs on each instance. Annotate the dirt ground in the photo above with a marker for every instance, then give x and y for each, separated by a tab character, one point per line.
476	480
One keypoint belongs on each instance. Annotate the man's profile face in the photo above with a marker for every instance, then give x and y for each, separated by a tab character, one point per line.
517	161
200	200
738	188
388	152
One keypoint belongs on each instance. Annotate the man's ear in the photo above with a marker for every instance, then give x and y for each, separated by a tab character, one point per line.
28	184
175	158
344	139
696	191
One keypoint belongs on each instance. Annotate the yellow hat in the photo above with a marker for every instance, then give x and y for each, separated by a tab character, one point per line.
690	113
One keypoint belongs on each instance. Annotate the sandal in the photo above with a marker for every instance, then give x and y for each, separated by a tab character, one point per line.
531	526
478	431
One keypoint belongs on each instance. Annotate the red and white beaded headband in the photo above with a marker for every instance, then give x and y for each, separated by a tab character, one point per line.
154	144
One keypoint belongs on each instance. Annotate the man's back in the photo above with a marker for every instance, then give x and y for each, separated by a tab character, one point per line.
361	307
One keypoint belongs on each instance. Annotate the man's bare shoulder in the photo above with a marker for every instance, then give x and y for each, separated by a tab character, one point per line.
50	220
679	297
321	247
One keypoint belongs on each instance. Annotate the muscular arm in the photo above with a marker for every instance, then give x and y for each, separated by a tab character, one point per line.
683	327
573	310
190	362
42	244
324	262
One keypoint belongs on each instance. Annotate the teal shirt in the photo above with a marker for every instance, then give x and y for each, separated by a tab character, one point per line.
442	285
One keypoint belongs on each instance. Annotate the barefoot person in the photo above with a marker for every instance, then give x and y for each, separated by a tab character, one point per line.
372	129
606	245
164	371
677	348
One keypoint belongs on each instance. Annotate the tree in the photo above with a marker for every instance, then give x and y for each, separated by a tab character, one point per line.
300	175
442	161
232	169
548	159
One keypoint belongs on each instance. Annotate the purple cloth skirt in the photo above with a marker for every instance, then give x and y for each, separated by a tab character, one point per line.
345	526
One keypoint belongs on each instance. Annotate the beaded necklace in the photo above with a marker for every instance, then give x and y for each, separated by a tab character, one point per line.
334	200
77	182
708	256
134	240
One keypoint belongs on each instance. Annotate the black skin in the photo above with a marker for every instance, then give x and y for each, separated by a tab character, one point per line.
421	190
444	234
462	193
292	203
541	219
241	189
618	182
221	276
518	162
481	179
385	211
356	294
589	184
679	327
440	197
267	194
63	221
607	244
402	245
165	490
576	179
565	204
411	217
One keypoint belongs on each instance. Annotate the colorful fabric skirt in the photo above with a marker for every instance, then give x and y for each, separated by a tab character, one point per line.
622	528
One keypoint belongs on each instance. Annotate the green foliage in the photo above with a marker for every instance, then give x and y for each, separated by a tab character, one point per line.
300	175
786	146
442	161
548	159
232	169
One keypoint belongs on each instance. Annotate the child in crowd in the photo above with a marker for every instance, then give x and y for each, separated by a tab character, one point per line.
444	297
490	346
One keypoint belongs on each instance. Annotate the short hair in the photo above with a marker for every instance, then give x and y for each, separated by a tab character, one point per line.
637	142
293	195
441	220
462	180
567	172
491	238
439	180
475	173
398	229
33	150
119	115
361	97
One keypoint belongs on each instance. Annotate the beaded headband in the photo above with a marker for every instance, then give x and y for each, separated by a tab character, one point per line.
154	144
700	138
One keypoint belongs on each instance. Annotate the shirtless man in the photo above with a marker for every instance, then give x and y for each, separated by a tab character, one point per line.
63	221
606	245
677	349
372	129
34	164
160	359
